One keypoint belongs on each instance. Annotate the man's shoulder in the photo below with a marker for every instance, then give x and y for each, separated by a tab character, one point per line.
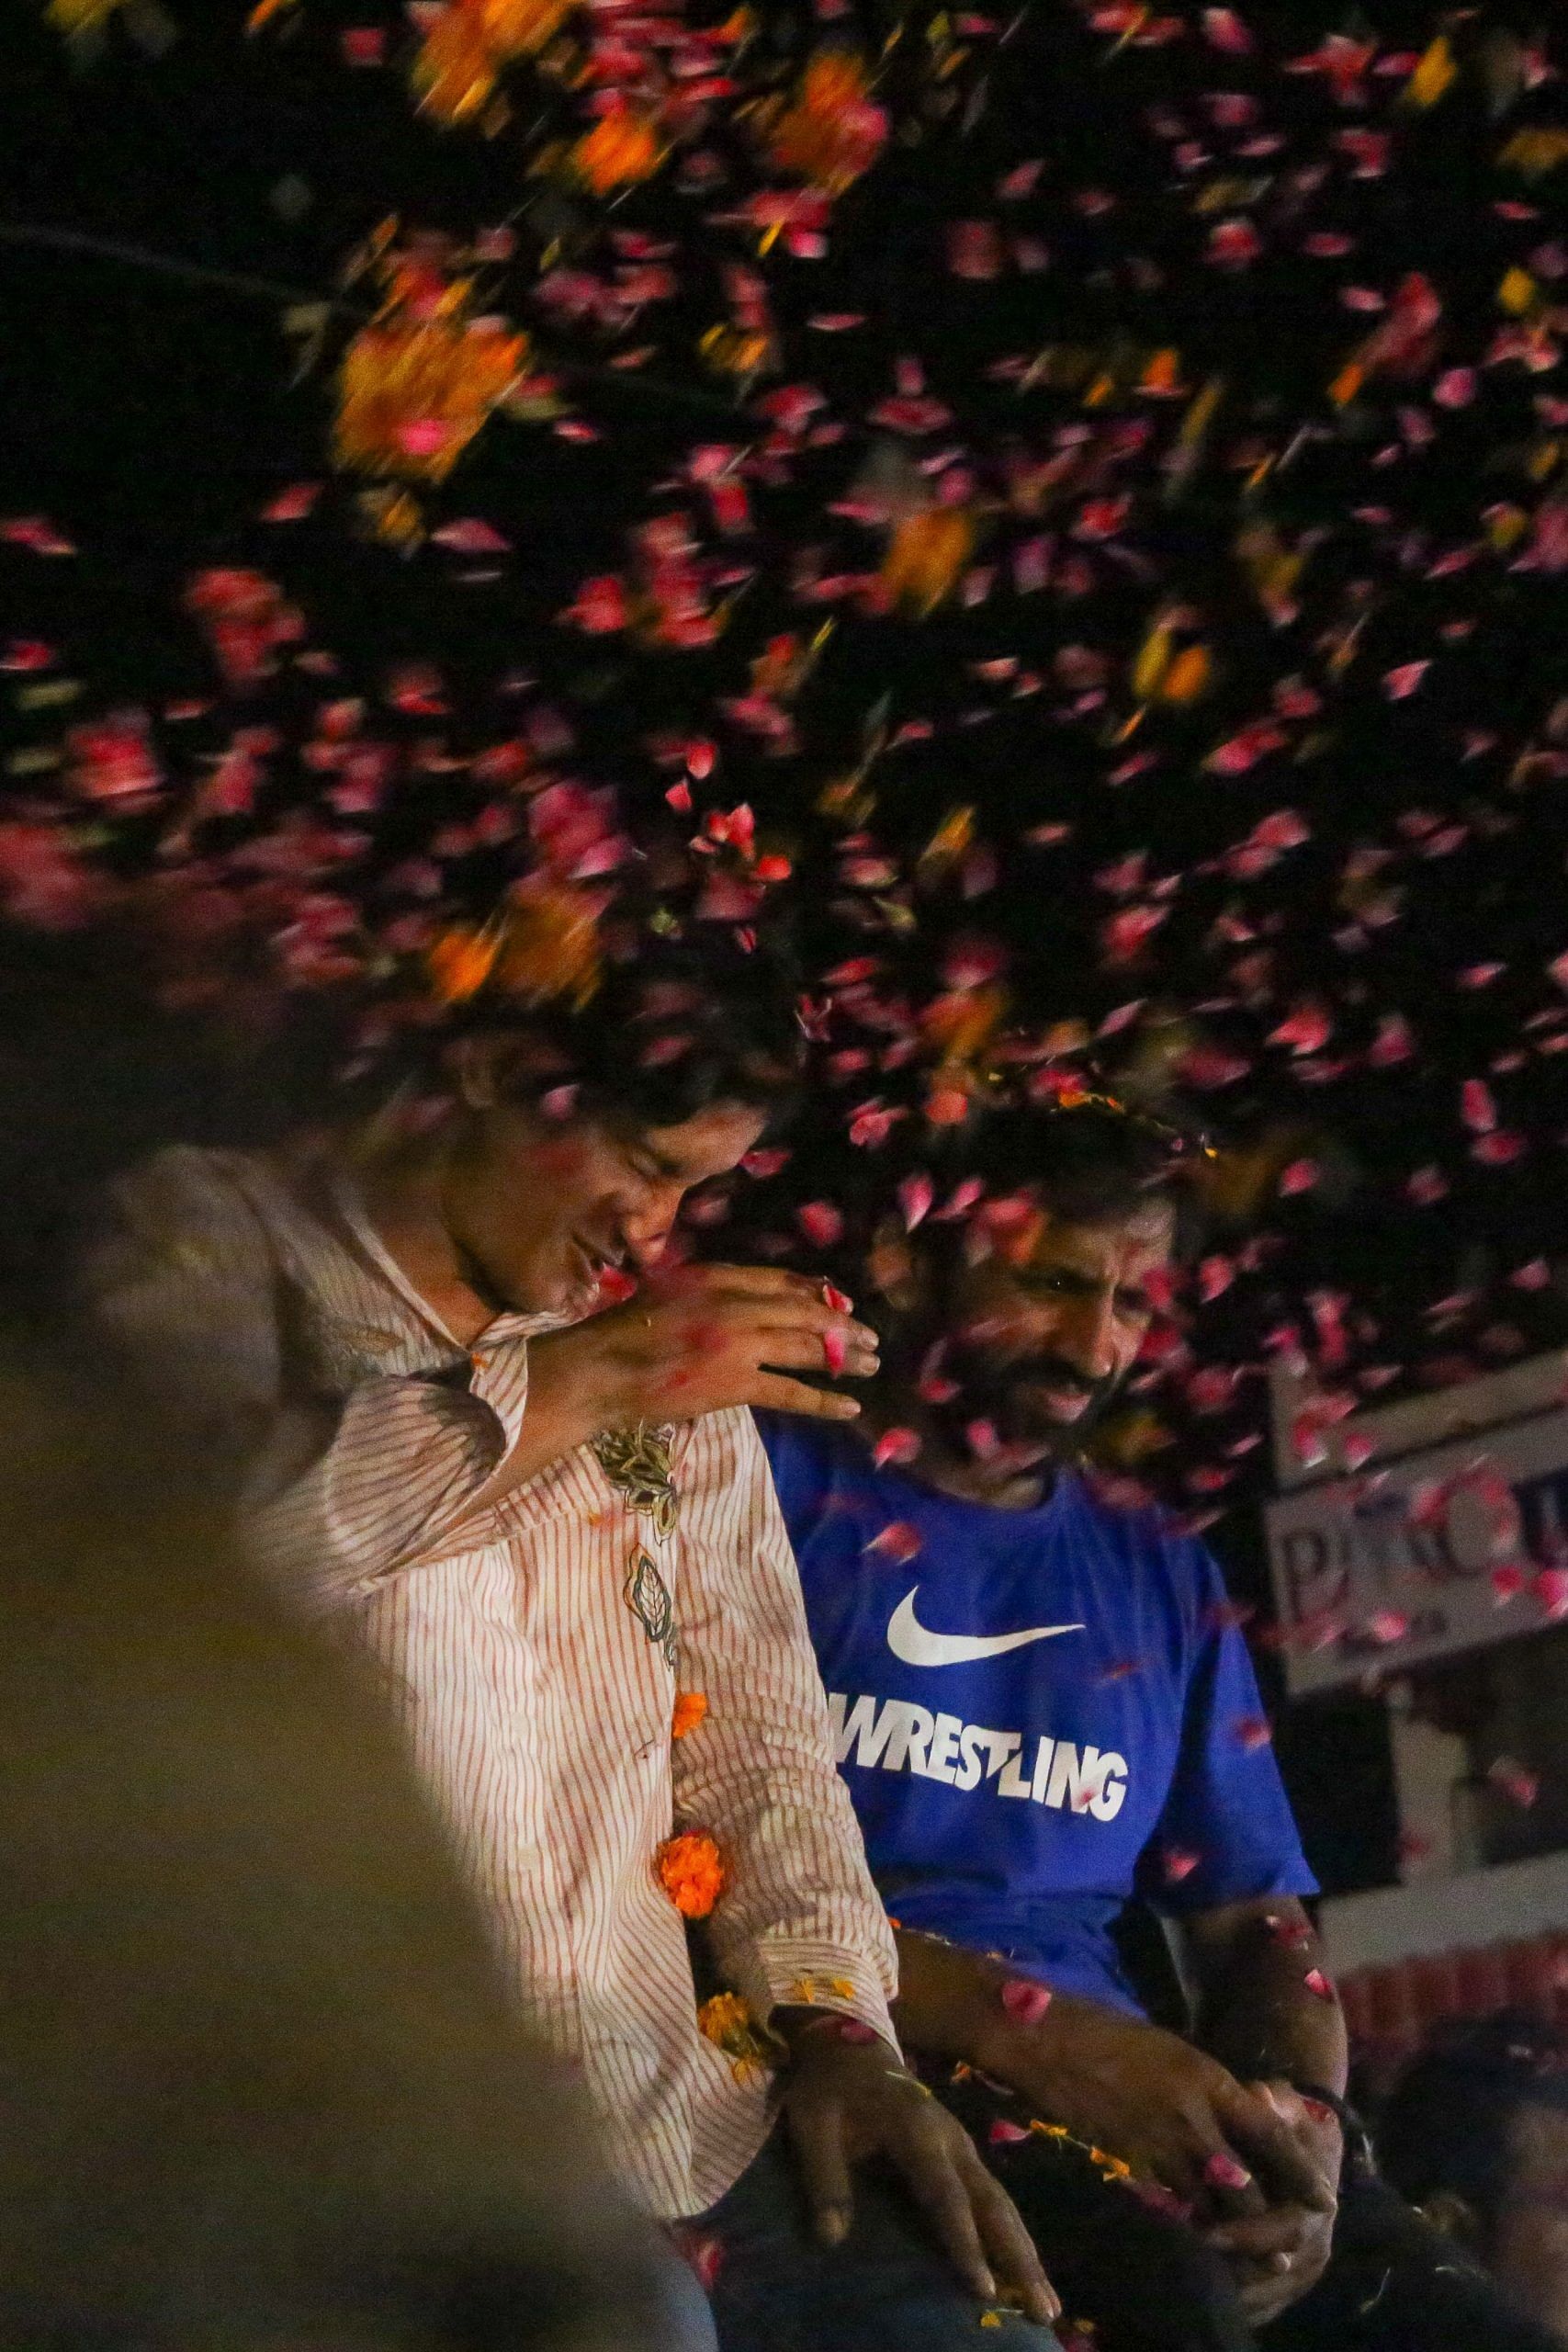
189	1177
196	1207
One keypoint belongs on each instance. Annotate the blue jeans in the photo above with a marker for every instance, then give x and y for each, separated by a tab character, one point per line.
889	2288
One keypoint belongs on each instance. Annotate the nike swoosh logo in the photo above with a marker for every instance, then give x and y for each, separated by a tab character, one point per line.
910	1640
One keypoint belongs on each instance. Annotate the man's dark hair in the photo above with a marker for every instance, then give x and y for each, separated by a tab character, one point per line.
666	1023
1444	2129
682	1024
1090	1162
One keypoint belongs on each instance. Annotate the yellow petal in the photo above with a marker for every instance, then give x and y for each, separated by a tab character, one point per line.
1517	291
1433	75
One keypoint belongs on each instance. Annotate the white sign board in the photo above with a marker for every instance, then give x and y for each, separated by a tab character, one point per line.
1440	1551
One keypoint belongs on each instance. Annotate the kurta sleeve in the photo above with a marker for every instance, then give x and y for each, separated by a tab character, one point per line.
182	1281
799	1918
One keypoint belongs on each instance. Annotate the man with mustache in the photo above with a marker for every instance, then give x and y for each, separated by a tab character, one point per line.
1044	1713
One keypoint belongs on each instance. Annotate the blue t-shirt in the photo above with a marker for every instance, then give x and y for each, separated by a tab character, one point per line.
1039	1714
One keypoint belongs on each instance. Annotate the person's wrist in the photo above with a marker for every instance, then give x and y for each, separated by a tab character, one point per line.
575	1371
810	2034
1012	2033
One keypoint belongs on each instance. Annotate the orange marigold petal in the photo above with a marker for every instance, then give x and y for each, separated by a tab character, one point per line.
690	1874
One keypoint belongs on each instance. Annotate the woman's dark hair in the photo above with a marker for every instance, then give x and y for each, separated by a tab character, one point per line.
1444	2129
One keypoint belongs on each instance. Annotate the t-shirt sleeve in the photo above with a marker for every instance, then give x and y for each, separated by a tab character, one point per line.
1226	1833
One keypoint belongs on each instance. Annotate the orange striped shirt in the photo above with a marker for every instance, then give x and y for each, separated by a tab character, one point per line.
537	1698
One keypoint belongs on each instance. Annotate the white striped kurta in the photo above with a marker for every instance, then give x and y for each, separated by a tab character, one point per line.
536	1700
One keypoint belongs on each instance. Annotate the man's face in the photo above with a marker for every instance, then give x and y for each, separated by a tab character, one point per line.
1047	1328
537	1209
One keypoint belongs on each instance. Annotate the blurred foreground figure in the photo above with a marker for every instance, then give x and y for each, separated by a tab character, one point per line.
1475	2133
260	2084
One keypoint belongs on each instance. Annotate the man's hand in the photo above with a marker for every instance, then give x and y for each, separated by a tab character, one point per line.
847	2099
1173	2113
703	1338
1276	2256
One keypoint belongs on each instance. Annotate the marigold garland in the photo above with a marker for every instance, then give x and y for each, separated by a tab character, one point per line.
691	1872
727	2021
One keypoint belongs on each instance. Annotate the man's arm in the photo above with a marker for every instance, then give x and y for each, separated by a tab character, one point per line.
181	1284
1266	2007
1173	2112
184	1283
799	1910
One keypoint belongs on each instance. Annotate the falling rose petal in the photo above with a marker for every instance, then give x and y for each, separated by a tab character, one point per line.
1222	2170
915	1195
840	1301
1318	1984
1307	1030
1224	30
896	1446
471	536
1388	1626
616	1285
835	1347
1516	1780
1176	1864
1290	1935
704	2253
1025	2000
1552	1592
1536	1274
820	1221
292	505
37	534
1003	2133
1253	1732
1215	1276
897	1542
1299	1176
